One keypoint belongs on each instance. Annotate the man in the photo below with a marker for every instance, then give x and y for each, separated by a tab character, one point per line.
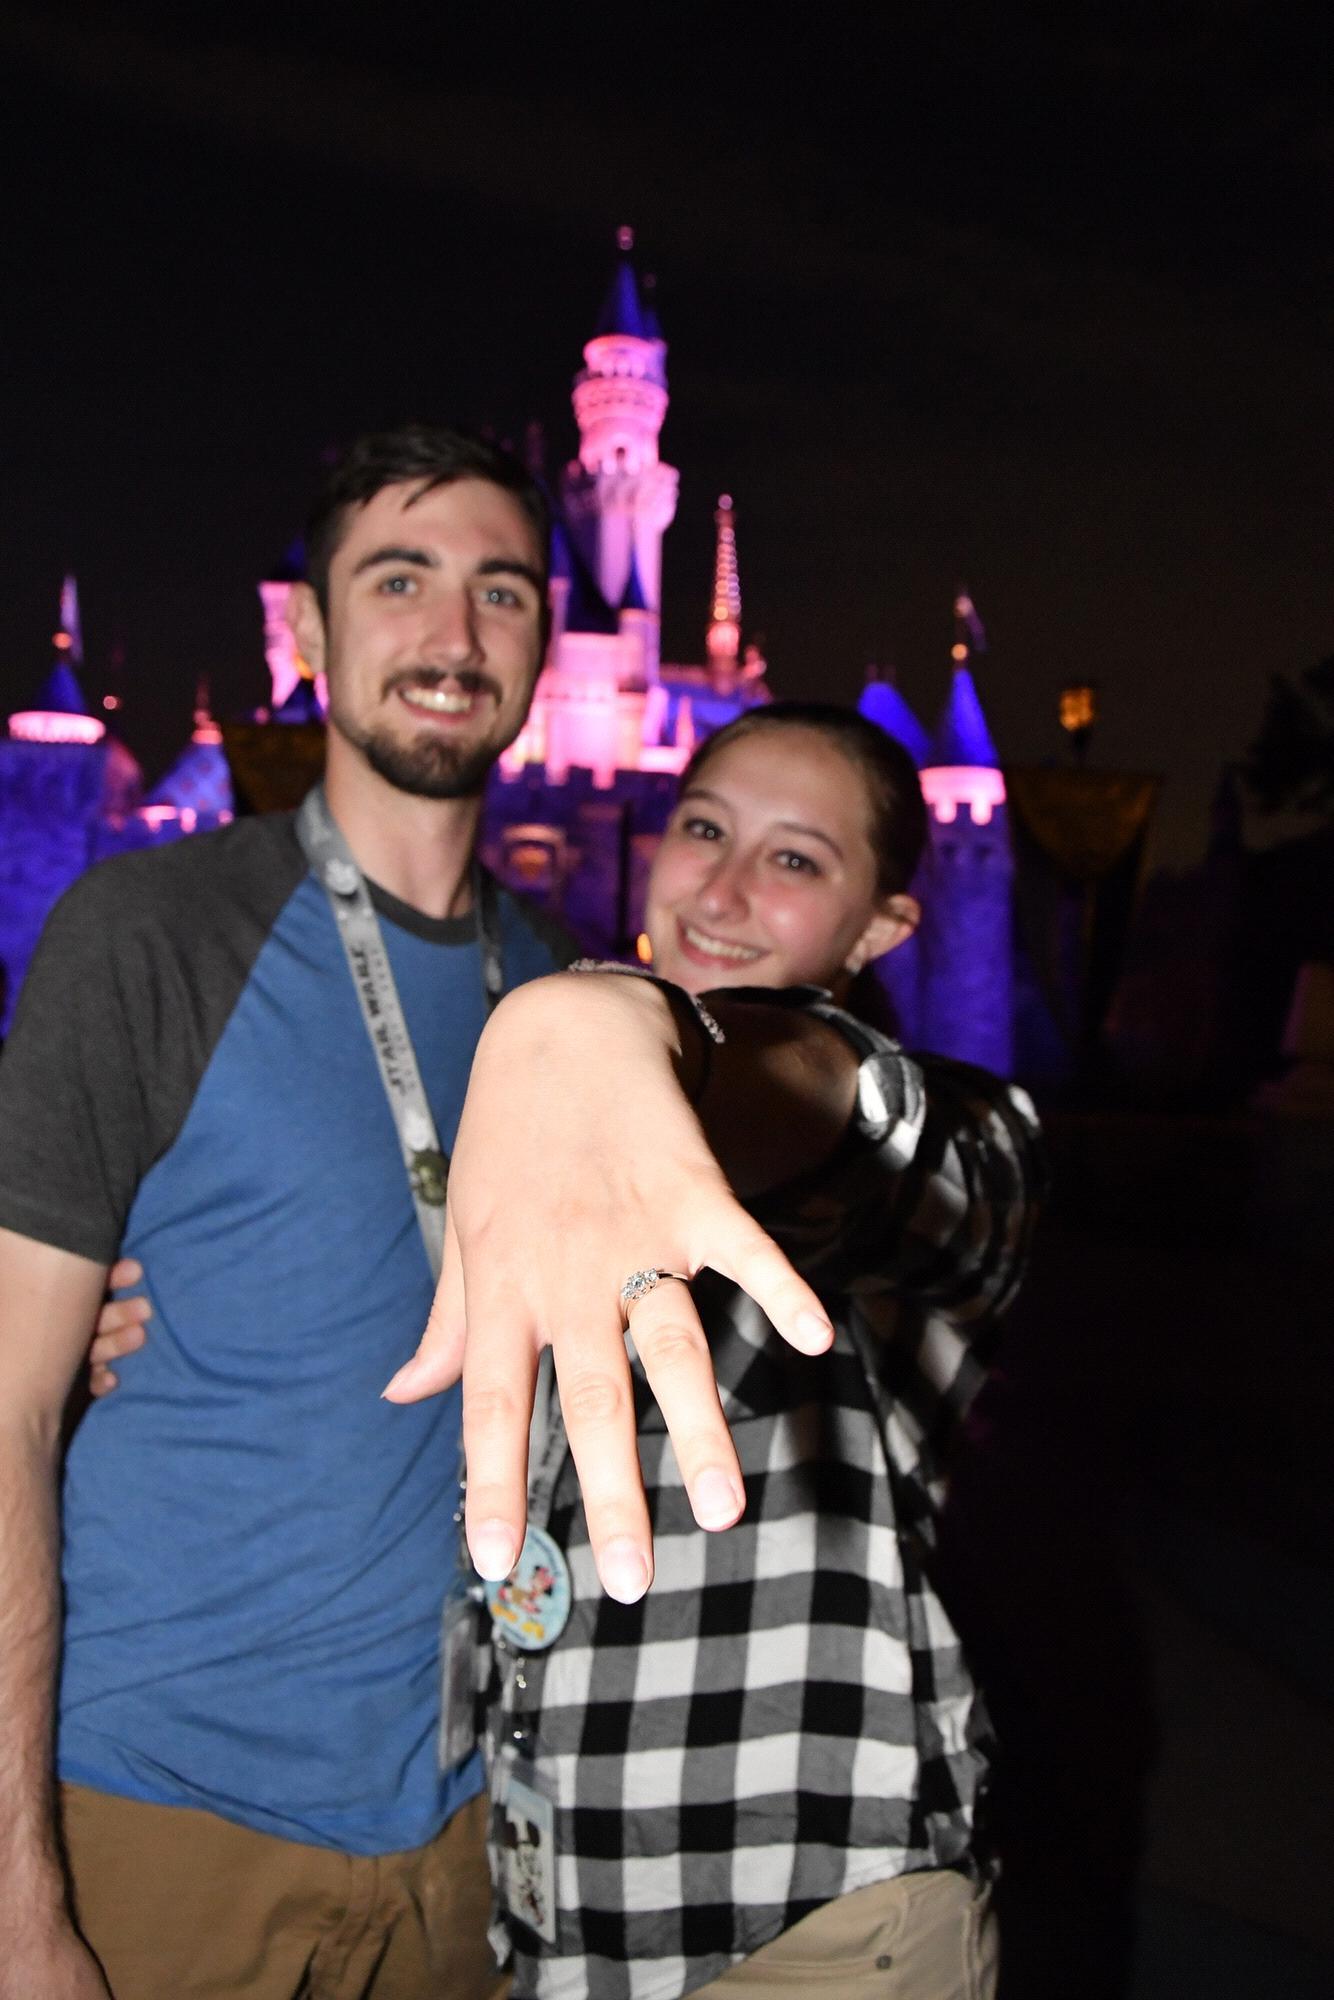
255	1545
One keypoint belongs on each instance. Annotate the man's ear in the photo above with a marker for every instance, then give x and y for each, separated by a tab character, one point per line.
895	919
307	623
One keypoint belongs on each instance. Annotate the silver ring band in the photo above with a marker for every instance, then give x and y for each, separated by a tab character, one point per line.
640	1283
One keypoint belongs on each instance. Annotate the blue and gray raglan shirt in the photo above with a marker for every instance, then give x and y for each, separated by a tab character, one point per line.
257	1548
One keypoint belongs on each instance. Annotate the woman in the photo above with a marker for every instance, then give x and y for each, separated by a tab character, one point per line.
778	1750
769	1767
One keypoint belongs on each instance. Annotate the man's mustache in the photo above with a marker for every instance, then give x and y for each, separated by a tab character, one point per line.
467	679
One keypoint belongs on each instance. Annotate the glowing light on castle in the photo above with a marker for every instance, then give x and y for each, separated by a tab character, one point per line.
724	638
947	787
44	725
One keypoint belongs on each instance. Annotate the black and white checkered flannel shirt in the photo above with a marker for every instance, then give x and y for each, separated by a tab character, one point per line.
787	1715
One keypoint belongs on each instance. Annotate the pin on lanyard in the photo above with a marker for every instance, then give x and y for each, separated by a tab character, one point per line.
359	933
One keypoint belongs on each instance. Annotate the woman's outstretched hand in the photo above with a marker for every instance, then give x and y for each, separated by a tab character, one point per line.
578	1161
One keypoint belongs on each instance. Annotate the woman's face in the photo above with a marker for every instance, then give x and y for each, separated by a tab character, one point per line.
765	875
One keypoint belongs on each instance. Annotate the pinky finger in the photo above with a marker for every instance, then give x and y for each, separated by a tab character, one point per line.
754	1261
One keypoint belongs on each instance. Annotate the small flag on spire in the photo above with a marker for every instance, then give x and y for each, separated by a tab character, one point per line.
965	613
69	620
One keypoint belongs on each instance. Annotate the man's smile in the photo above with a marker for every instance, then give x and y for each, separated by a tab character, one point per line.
457	694
438	701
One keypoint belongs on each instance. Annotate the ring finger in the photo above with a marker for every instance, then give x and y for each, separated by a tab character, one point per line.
670	1342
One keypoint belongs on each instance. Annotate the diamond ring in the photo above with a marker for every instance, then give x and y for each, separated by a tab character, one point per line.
640	1283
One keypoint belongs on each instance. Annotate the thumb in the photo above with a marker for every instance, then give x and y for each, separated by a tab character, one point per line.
438	1362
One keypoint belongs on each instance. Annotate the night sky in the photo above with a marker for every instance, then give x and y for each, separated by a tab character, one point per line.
1036	299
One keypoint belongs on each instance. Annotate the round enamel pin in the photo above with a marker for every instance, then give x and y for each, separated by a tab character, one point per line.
531	1607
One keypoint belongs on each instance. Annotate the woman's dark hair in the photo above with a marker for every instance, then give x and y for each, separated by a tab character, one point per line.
898	814
428	455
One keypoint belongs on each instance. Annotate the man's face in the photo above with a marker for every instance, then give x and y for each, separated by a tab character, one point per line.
433	636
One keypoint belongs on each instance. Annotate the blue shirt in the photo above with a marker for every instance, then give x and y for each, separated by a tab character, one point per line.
257	1547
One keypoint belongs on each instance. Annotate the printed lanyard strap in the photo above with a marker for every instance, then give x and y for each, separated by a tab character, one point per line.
331	862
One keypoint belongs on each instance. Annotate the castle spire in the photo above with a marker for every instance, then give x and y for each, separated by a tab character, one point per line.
882	703
60	713
69	639
617	496
724	636
962	737
623	310
206	729
963	768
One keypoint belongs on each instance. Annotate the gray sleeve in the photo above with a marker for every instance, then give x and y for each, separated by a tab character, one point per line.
74	1106
130	990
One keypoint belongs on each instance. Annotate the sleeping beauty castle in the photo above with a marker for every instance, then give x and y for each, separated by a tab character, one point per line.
579	801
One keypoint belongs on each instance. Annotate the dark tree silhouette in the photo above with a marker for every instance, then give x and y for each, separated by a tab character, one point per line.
1290	765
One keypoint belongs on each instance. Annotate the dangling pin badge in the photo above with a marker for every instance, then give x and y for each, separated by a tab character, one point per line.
531	1608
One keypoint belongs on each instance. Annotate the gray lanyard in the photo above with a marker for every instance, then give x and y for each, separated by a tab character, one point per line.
359	933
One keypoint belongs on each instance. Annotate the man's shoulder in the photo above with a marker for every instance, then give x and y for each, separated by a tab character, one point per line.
179	888
545	929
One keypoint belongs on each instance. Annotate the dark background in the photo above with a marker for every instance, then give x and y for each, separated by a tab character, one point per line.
1035	298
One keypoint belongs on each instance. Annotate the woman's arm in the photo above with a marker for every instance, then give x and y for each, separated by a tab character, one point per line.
579	1159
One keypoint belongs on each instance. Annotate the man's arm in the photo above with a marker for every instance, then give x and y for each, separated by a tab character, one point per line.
48	1299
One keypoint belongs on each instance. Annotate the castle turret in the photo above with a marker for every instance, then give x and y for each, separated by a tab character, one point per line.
60	714
619	497
967	945
198	787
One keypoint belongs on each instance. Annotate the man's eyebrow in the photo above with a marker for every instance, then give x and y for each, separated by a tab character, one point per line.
401	552
397	552
512	566
787	825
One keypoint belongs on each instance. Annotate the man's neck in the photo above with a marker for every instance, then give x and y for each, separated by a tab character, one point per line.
420	850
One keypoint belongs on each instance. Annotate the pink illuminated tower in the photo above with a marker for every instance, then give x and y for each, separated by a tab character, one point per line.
618	497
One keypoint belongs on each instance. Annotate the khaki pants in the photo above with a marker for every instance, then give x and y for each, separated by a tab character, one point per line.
930	1936
179	1905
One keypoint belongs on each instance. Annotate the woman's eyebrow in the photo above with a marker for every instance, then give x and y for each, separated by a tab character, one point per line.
787	825
811	833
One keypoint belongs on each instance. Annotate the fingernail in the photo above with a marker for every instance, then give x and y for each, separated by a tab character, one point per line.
815	1328
402	1380
623	1570
716	1498
492	1549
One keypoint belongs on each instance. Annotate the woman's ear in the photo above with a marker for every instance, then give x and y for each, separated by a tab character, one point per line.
894	920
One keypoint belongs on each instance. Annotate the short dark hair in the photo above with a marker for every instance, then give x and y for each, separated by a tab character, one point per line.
430	455
893	791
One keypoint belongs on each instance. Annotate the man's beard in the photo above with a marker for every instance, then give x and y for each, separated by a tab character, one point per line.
428	766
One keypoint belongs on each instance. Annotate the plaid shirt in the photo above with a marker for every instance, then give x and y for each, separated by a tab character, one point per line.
787	1715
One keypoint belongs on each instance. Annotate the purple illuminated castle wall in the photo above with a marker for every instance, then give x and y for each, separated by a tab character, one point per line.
579	801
